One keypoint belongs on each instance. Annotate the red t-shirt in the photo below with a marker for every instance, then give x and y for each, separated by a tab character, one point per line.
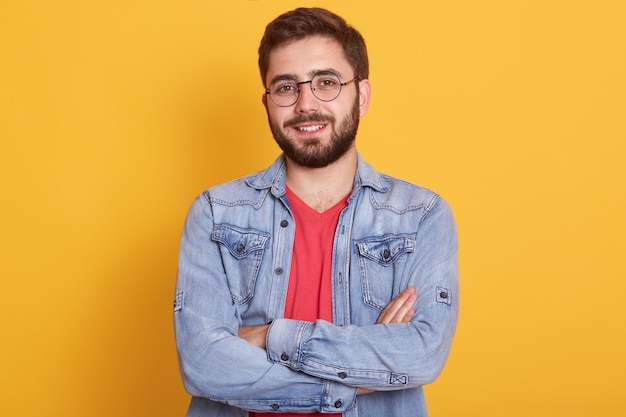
309	293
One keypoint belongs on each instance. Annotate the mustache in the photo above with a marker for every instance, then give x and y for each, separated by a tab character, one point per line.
307	118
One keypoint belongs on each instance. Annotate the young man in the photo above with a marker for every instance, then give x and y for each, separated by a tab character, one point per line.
317	285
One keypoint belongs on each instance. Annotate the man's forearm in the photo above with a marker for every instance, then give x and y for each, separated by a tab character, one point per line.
399	310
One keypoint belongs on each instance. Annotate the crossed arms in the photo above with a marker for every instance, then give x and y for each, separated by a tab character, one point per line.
399	310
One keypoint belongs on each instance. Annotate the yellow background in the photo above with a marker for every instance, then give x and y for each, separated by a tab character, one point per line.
114	115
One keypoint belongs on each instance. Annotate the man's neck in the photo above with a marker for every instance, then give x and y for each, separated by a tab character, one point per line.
322	188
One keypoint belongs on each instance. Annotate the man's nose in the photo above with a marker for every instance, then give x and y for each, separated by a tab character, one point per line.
307	102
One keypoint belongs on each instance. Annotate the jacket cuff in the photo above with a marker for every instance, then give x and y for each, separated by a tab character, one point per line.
338	397
284	338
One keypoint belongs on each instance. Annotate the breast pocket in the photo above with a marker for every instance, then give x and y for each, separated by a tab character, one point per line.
242	252
381	263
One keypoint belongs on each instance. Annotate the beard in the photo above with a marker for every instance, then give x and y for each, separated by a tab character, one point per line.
312	153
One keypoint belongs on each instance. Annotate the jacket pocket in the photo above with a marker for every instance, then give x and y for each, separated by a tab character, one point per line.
242	252
381	260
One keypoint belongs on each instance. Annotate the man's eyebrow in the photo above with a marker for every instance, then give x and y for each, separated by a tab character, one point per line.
283	77
310	74
324	71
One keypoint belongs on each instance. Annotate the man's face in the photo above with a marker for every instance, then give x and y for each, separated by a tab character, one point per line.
314	133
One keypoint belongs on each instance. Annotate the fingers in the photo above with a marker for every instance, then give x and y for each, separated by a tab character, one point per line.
400	309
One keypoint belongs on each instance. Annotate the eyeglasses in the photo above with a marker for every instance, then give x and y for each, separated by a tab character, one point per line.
325	86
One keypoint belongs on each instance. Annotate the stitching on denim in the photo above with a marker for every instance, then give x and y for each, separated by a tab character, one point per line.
241	202
444	296
178	301
389	207
428	207
398	379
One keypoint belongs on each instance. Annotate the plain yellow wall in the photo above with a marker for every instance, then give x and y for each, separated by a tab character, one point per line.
114	115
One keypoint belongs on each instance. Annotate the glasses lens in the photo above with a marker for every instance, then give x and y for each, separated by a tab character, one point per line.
284	93
326	86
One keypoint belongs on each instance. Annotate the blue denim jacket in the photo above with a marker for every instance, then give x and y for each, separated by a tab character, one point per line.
233	271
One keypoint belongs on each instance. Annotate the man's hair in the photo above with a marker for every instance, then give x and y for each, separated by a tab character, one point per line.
301	23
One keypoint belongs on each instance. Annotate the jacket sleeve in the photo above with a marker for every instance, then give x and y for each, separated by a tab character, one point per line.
214	362
386	356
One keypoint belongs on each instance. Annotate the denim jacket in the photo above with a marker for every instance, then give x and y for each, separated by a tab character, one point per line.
233	270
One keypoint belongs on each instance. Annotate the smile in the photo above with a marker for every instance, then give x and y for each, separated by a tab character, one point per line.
309	129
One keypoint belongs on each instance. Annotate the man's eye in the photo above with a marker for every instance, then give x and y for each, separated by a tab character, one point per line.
326	83
285	89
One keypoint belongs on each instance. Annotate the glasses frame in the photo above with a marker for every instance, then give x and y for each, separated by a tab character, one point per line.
310	82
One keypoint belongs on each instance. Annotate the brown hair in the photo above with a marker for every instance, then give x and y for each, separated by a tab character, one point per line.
304	22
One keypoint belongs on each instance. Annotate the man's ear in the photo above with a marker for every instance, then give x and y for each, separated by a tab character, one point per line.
365	92
264	101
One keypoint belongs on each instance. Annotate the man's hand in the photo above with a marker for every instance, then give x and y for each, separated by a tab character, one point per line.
255	335
400	309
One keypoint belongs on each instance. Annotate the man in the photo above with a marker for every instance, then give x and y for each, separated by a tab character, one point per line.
317	285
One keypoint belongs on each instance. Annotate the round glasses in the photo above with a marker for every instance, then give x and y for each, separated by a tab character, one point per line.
325	86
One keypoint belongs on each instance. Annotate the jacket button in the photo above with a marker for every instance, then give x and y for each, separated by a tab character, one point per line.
342	375
443	294
338	404
284	223
278	271
274	407
386	254
241	247
284	357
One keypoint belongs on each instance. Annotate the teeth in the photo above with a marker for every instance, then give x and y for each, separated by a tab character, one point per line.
310	128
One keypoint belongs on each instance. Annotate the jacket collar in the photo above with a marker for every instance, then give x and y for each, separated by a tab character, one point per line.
275	177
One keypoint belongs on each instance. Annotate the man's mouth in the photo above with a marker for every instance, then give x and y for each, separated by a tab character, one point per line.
310	129
308	123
